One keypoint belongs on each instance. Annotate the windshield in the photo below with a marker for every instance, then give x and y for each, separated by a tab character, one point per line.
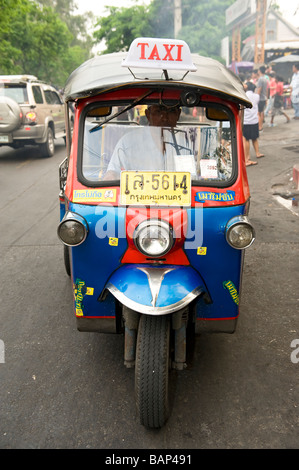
156	138
17	92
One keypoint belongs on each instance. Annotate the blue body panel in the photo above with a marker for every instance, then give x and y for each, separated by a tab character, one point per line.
61	210
219	264
97	258
215	267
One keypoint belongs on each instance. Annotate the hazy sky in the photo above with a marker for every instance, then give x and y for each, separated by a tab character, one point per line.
287	7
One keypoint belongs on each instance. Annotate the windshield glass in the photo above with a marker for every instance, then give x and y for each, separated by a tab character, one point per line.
153	138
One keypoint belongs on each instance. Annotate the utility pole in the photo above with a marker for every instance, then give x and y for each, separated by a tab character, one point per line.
177	17
260	28
236	44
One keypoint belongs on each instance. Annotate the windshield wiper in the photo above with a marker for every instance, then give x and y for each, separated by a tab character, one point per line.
127	108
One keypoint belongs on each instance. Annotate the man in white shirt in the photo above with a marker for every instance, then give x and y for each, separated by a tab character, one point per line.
147	148
251	125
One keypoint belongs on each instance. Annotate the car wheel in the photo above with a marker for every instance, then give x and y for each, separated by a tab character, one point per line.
48	148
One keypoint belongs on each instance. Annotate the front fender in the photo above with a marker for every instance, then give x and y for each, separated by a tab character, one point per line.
155	290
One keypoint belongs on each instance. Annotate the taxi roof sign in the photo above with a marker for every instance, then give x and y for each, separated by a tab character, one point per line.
157	53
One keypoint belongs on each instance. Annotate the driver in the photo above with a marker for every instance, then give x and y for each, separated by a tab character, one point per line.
146	148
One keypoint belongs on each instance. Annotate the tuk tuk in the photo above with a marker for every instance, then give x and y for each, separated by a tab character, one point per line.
154	203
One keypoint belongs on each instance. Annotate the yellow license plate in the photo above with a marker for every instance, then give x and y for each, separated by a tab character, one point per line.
158	188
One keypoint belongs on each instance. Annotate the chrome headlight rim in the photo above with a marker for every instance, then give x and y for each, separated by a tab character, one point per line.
232	224
153	223
78	219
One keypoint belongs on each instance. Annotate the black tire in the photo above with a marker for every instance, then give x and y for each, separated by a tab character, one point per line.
66	256
48	148
152	370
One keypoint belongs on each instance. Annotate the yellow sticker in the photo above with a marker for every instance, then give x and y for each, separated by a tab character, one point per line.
202	250
94	195
230	286
113	241
80	290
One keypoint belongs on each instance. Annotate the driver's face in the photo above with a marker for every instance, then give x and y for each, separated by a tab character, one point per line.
161	116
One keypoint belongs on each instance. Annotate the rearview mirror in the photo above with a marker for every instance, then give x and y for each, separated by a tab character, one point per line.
216	114
100	112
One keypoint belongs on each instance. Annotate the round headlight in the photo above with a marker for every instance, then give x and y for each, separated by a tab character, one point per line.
240	233
153	238
72	231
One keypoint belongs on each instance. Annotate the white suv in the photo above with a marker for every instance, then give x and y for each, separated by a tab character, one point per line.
31	112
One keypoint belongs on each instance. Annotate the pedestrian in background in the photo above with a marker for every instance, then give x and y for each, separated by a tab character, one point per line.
278	102
295	90
262	90
251	124
272	92
254	76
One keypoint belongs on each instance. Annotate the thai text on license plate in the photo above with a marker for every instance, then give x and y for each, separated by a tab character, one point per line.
155	188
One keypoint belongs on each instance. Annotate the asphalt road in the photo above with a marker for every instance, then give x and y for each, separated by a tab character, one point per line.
61	389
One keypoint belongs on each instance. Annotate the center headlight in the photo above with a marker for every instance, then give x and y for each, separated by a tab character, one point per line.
153	237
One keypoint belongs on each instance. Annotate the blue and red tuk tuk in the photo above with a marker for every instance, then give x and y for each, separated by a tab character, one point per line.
154	205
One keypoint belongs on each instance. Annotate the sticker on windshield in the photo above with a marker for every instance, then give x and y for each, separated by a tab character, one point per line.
208	169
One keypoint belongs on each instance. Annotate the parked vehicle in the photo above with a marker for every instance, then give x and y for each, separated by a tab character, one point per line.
154	218
31	113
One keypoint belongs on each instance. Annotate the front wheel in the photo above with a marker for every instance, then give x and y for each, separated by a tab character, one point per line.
152	370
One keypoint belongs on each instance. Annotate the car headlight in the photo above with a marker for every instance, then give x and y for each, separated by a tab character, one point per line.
73	229
240	233
153	238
